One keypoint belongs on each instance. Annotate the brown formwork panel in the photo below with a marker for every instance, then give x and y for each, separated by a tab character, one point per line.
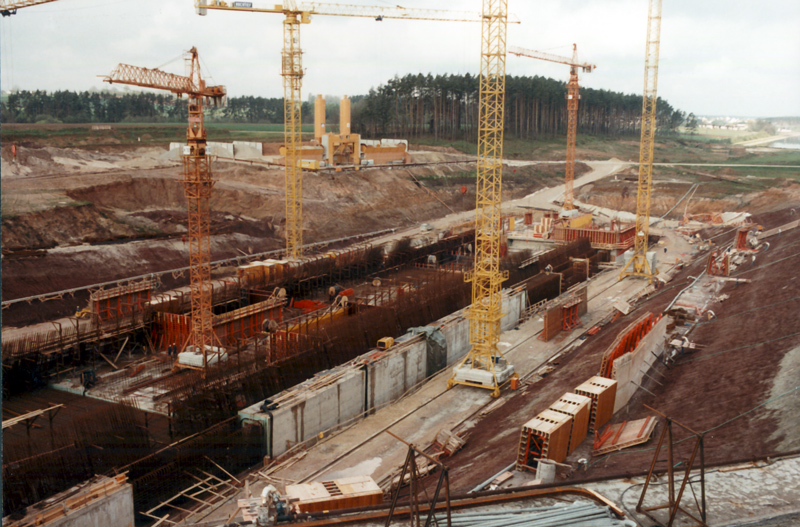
603	393
583	306
578	407
555	428
552	322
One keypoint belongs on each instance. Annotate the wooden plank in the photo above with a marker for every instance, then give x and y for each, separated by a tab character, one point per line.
30	415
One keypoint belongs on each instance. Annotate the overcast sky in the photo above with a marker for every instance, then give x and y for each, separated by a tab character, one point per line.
718	57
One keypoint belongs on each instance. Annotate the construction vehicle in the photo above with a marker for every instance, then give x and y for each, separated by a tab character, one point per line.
83	313
573	95
484	366
292	71
197	184
638	265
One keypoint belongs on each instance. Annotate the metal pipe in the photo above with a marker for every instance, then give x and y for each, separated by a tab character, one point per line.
554	512
684	290
482	485
565	518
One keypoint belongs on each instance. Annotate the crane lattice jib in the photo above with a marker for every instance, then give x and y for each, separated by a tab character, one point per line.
296	14
331	9
197	185
522	52
573	95
485	312
638	264
292	71
9	7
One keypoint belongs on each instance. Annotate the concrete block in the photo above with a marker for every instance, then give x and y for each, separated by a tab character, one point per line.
220	149
248	149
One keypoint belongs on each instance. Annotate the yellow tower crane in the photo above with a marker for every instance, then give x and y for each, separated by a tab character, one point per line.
9	7
484	366
197	183
638	264
572	108
292	72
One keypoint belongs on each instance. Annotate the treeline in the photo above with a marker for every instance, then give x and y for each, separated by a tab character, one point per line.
91	107
443	106
113	107
446	107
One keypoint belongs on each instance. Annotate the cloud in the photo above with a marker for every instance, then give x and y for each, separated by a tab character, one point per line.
717	56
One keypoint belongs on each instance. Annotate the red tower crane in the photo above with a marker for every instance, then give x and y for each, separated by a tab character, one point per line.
572	108
197	183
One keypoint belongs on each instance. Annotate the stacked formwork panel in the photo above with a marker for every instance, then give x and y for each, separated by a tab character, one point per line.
619	239
243	323
121	301
546	436
603	393
578	408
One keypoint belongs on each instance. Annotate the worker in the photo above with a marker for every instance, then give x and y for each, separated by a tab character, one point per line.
14	152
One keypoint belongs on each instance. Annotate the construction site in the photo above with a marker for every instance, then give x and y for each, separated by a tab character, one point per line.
341	330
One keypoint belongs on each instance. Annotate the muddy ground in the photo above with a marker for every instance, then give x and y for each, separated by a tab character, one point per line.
74	217
718	189
740	388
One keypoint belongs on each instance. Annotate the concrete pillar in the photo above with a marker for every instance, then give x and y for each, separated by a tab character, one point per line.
319	118
344	116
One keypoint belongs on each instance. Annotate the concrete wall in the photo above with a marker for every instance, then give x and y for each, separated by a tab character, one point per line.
375	379
248	149
629	369
391	375
114	510
305	416
220	149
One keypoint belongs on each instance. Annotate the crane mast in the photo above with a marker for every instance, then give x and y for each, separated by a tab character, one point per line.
573	95
484	366
197	185
292	72
638	264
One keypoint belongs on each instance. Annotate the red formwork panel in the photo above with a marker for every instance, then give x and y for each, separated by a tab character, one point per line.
603	393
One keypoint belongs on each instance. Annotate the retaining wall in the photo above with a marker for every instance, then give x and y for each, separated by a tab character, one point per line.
629	369
339	396
248	149
114	510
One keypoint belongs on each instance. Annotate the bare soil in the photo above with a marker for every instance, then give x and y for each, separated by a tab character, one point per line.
717	390
719	190
76	216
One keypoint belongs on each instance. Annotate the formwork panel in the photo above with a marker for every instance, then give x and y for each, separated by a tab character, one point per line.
549	429
603	393
552	322
578	407
345	493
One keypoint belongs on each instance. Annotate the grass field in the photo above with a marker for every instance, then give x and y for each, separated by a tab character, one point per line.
673	148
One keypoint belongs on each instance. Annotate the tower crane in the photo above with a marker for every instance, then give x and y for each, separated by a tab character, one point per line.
9	7
292	71
484	366
197	182
572	107
638	264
